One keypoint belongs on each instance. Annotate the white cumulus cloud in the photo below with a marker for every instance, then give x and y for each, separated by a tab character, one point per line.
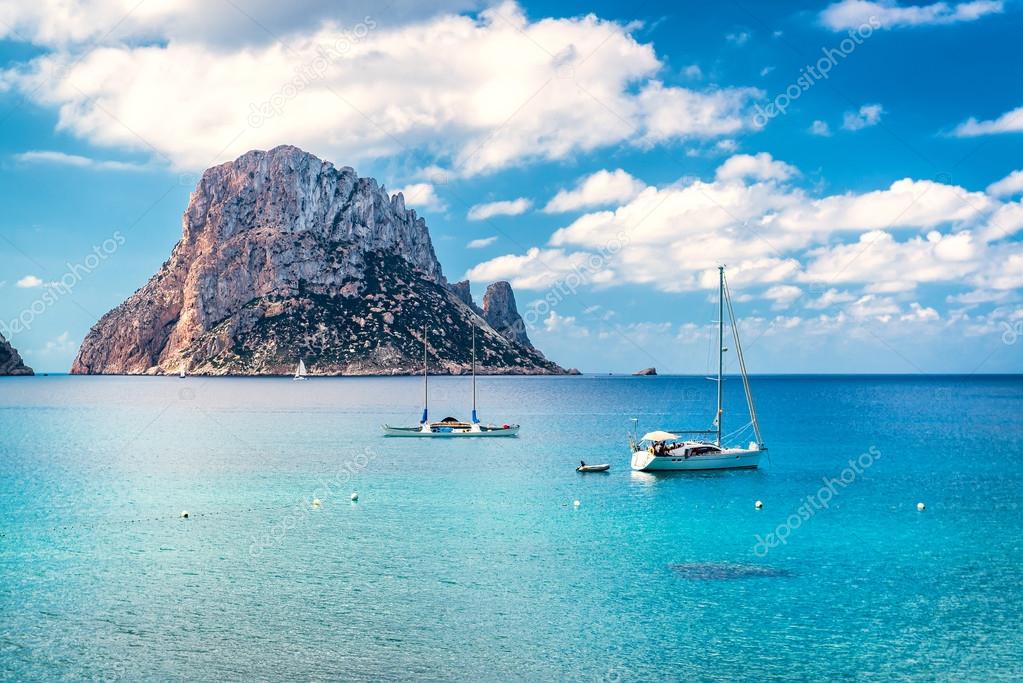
758	167
421	196
881	308
602	188
536	269
783	295
481	242
868	115
1009	122
1008	186
770	232
851	14
829	298
441	87
820	128
509	207
63	159
919	313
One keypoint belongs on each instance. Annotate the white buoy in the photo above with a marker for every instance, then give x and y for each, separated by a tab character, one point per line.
921	507
355	496
316	502
184	514
576	503
759	504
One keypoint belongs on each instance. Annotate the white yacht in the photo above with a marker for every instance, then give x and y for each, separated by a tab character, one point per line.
667	450
300	371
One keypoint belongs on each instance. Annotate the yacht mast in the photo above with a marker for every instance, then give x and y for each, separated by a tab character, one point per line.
474	418
426	381
742	369
721	345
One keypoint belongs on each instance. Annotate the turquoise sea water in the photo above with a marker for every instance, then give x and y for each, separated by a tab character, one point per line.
467	560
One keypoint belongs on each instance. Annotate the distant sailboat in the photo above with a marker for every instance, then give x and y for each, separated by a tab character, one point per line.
450	426
300	372
668	450
181	372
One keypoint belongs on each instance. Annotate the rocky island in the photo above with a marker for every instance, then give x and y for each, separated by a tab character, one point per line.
10	361
283	257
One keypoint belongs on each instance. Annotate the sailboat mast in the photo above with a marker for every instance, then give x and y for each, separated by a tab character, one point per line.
721	344
474	418
426	380
742	370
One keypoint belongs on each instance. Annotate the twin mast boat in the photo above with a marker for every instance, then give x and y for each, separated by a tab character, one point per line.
450	426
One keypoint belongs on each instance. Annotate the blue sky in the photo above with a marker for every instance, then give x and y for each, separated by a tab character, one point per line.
871	226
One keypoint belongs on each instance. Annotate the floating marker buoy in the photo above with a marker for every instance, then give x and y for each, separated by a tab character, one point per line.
184	514
759	504
355	496
921	507
576	503
316	502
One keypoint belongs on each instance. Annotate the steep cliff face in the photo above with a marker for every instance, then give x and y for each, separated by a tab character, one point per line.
10	361
285	257
501	313
462	291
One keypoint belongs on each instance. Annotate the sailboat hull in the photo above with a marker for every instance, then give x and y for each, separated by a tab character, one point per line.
447	433
728	459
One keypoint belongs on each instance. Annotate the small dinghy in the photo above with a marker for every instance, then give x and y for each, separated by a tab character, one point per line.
583	467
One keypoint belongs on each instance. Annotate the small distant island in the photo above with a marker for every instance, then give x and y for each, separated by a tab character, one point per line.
285	257
645	372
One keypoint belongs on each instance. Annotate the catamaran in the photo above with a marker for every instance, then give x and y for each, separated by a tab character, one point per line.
300	371
663	450
450	426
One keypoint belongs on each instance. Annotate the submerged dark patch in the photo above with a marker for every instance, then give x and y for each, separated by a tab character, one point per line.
724	571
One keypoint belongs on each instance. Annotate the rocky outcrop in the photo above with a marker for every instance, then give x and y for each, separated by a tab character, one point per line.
500	311
645	372
10	361
285	257
462	291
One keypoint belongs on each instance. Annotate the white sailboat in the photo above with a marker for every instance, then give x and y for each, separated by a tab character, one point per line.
669	450
450	426
300	371
181	372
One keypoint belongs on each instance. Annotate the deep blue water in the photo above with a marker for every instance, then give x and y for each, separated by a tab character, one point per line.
466	560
